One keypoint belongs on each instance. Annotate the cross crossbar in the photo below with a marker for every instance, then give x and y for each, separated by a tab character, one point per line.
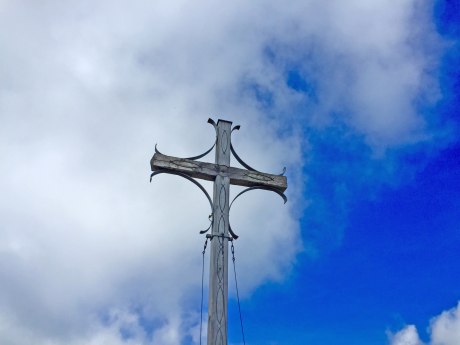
209	171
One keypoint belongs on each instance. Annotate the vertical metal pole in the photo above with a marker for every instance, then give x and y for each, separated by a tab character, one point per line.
218	276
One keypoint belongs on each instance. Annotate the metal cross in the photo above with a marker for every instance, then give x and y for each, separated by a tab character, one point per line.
223	175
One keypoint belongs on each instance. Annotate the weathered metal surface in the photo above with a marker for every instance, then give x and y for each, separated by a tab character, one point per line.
209	171
218	277
223	175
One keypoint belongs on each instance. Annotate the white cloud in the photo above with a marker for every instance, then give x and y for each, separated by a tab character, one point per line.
86	91
407	336
444	330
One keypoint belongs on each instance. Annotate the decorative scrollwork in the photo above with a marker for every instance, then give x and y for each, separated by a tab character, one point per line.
237	128
230	230
247	166
211	121
196	183
194	157
281	194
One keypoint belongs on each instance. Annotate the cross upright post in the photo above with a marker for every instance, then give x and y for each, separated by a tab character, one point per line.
218	279
221	232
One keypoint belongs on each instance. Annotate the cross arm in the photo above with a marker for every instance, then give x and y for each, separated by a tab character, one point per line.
209	171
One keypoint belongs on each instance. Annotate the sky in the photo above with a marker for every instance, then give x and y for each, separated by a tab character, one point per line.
357	99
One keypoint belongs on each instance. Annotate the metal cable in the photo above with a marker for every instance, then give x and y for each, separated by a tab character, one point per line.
202	289
237	292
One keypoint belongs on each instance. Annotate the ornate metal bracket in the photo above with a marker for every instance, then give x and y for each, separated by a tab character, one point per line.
282	195
211	121
243	163
196	183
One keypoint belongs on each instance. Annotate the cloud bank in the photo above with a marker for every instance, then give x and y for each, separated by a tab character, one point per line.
90	253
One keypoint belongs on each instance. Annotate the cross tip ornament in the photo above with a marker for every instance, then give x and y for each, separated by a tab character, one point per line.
221	120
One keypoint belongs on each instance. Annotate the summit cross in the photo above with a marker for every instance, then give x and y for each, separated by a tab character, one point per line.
223	175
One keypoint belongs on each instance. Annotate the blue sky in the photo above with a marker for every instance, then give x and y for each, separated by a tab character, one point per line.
358	99
394	266
393	256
